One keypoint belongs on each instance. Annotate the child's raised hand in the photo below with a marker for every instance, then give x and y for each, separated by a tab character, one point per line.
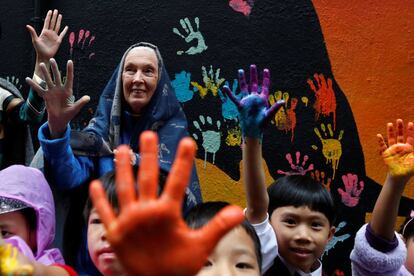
149	235
253	107
398	155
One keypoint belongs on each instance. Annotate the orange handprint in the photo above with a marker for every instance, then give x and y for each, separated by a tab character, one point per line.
398	156
322	178
325	102
331	147
149	235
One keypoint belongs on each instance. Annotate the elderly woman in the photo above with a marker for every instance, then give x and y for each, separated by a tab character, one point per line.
138	97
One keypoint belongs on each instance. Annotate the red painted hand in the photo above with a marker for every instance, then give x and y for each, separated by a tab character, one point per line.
398	155
149	235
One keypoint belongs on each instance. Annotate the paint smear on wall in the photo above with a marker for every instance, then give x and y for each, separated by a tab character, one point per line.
245	7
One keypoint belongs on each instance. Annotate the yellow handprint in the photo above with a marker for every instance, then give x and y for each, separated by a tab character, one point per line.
331	147
233	137
211	81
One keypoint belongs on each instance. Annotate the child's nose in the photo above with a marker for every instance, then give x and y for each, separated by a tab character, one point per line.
302	234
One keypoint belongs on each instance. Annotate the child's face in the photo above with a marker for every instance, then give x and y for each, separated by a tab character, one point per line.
99	248
302	235
234	255
15	224
409	261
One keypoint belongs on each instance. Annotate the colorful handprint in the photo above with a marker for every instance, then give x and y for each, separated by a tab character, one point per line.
15	81
191	35
211	81
331	244
211	138
181	85
298	168
322	178
325	102
229	110
350	197
331	147
285	118
243	6
234	137
84	37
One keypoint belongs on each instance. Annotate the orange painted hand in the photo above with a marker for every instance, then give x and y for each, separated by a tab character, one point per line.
398	155
149	235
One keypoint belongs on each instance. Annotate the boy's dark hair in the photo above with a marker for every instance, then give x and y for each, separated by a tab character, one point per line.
297	191
108	183
202	213
407	228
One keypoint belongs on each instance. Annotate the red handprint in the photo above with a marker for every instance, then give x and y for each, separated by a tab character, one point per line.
350	197
325	102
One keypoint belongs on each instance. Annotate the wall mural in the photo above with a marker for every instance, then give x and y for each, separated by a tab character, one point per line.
203	45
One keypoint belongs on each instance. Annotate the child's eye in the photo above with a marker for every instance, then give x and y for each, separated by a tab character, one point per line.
244	266
289	221
317	225
96	221
208	263
6	234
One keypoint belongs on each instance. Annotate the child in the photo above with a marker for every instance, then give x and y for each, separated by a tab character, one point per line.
301	211
407	233
27	218
377	249
97	244
237	253
149	235
14	111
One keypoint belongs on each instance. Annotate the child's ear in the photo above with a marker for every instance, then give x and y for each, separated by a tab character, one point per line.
331	233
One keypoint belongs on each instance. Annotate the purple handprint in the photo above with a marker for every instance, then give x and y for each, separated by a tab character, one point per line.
297	167
350	197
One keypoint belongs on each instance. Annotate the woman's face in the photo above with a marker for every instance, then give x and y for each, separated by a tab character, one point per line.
139	77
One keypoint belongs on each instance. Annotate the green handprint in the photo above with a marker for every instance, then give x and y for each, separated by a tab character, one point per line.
190	36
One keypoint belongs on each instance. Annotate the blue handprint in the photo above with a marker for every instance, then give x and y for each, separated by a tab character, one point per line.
211	138
229	109
337	239
181	85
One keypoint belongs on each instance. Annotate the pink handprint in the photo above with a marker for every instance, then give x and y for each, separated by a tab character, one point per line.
82	38
350	197
325	103
297	169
